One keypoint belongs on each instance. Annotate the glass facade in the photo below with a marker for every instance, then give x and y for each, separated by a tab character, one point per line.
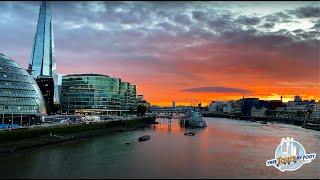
20	96
42	61
46	86
88	92
128	96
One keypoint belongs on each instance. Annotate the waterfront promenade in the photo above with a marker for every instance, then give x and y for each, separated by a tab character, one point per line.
24	139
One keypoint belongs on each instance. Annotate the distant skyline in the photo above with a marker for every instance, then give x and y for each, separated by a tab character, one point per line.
180	51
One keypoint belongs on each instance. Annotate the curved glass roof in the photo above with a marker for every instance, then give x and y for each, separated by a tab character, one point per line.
19	93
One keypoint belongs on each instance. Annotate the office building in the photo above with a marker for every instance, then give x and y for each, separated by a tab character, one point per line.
248	103
42	61
96	94
46	86
127	95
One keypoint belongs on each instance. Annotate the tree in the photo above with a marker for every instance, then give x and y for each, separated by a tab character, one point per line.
141	110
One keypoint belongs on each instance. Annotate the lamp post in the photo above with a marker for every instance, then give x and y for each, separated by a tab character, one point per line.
19	108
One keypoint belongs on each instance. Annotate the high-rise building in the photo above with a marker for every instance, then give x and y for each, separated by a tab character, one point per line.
42	61
46	86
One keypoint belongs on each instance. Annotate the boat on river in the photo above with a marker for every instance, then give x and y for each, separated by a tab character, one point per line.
194	120
144	138
189	133
262	122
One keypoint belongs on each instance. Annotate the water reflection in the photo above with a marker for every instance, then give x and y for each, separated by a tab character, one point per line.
168	126
225	149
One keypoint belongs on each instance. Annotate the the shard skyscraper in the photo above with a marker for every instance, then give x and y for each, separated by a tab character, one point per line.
42	62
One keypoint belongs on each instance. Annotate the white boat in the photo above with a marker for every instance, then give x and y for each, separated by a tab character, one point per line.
195	120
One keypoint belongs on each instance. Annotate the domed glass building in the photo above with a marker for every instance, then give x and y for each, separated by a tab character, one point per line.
21	101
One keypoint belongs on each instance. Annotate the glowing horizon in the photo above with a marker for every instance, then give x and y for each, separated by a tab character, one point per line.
285	98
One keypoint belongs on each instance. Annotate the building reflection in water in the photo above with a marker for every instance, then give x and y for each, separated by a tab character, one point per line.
168	126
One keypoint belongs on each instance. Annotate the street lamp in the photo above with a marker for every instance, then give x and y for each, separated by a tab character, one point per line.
19	108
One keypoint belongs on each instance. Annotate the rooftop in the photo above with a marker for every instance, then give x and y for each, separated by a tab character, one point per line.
90	74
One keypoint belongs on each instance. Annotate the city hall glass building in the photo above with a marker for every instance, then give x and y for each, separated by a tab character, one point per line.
96	94
21	101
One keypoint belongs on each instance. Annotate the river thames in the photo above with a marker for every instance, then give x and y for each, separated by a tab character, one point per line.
225	149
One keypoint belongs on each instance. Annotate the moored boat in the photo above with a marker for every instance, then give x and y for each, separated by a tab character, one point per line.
195	120
262	122
144	138
189	133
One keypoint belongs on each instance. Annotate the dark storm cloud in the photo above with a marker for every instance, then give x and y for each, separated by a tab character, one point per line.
308	35
213	89
166	37
199	15
182	19
278	17
268	25
278	42
219	24
248	20
316	26
306	12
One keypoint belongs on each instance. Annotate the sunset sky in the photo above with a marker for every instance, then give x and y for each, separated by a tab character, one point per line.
185	52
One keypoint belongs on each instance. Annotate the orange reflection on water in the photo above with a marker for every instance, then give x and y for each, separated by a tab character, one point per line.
169	126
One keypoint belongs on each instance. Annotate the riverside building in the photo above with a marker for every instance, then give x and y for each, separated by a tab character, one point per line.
46	85
96	94
42	62
128	96
21	101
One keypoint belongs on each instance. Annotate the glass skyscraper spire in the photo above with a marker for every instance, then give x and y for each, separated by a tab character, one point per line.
42	61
